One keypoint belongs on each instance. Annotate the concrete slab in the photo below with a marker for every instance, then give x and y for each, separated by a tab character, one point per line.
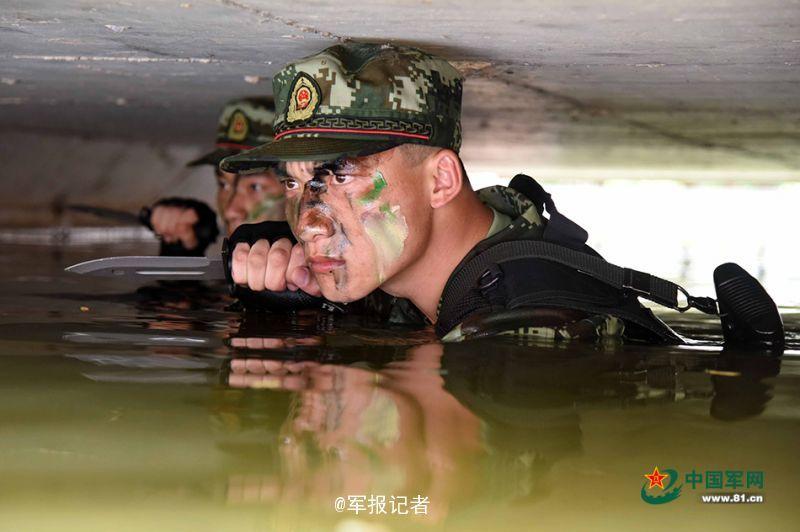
571	85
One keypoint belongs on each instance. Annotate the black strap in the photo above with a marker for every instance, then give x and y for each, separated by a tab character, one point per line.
632	281
559	228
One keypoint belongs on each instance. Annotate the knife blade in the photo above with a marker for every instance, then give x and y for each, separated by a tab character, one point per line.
147	337
155	268
143	217
201	268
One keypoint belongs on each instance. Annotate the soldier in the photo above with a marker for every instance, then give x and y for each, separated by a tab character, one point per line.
367	137
186	226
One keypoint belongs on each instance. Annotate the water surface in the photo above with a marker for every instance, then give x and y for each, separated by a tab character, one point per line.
154	408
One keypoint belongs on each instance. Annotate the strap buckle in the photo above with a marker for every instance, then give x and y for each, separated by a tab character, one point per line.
707	305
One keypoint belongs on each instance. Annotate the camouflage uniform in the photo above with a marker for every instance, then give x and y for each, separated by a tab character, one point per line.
356	99
527	223
243	124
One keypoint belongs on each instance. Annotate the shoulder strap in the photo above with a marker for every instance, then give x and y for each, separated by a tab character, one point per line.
629	280
566	237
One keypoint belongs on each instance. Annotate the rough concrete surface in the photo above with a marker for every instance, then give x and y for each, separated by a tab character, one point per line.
574	88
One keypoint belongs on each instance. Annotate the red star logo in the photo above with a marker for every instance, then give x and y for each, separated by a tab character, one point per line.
656	479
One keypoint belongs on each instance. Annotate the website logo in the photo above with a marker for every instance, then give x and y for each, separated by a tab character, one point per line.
660	488
745	486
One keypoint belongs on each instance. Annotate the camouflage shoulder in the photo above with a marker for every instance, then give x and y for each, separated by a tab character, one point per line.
602	328
510	202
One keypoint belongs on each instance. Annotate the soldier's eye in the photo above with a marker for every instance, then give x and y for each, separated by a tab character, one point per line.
224	185
256	187
341	179
290	184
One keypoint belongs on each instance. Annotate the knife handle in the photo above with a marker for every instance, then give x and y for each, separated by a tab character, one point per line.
285	300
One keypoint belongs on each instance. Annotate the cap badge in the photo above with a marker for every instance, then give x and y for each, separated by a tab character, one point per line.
238	128
304	98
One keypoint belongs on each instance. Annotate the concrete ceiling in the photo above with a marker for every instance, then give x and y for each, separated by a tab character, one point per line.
575	83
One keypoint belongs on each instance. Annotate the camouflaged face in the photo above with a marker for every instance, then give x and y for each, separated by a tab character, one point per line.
245	123
353	90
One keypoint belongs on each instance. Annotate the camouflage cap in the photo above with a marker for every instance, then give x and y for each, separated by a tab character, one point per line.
243	124
355	99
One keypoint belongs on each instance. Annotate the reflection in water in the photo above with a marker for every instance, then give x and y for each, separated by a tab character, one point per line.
449	421
351	429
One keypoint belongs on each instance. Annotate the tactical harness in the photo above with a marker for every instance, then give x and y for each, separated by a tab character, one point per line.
526	266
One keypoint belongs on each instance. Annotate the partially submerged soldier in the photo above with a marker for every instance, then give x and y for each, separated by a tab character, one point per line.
367	137
185	225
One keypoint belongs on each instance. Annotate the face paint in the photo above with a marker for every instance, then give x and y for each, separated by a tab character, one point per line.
347	214
336	248
293	213
378	184
384	225
317	211
387	229
249	199
318	217
269	208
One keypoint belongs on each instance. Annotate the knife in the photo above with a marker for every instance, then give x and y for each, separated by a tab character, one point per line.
153	268
164	268
143	217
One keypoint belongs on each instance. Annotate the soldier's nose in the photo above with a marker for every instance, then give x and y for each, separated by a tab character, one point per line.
235	209
313	225
316	186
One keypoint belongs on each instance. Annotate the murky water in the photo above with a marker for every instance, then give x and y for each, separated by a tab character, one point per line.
147	408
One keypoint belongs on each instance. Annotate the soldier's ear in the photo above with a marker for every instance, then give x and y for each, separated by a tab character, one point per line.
448	177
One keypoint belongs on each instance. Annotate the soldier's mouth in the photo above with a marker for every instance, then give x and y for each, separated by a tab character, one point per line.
324	264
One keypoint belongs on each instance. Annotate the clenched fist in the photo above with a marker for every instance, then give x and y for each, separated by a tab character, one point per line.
274	267
175	224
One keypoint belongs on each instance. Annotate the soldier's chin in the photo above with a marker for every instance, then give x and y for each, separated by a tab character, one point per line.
233	224
342	294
